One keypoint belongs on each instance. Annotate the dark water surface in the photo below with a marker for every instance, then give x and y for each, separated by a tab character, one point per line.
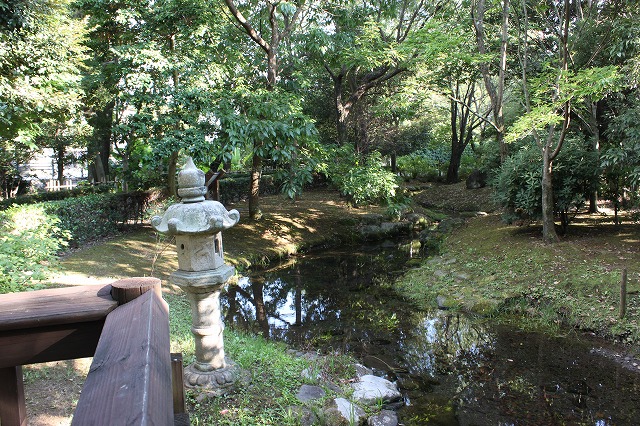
452	369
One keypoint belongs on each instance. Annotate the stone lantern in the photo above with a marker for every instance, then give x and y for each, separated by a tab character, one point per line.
196	224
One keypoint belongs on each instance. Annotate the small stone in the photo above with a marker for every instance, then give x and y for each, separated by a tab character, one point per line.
385	418
361	370
350	412
309	393
310	373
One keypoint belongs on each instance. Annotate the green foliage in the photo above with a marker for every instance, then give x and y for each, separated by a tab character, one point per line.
30	239
38	197
40	58
428	163
272	124
414	165
362	180
585	85
96	216
518	183
234	187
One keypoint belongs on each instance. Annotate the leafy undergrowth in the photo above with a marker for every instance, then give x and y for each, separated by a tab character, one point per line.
507	272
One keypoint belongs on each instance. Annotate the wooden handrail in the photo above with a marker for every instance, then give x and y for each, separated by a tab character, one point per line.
131	371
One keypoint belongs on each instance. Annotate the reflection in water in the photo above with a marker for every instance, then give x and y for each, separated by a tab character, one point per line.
453	370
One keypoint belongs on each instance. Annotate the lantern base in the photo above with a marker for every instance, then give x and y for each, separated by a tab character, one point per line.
216	382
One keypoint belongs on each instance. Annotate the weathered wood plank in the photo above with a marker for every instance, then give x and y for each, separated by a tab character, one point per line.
180	414
129	382
51	343
13	411
127	289
55	306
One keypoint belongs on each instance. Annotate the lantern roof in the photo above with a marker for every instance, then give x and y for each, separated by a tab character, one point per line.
194	215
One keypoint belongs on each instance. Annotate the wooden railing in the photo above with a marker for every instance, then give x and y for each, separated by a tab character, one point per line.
130	379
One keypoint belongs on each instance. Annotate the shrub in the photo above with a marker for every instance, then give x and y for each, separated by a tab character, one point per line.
37	197
414	165
30	239
518	188
429	163
235	186
97	216
361	181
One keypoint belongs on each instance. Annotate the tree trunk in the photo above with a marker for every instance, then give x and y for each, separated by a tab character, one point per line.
254	187
342	112
496	94
99	149
60	153
172	171
453	169
595	133
549	234
100	175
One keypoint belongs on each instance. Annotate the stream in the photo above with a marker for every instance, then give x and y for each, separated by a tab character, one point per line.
451	368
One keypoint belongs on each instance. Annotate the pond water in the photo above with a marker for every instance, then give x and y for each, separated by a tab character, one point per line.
452	369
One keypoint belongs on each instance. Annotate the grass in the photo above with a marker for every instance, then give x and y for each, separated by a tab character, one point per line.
507	273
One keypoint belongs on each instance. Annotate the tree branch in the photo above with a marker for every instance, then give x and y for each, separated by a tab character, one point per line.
247	26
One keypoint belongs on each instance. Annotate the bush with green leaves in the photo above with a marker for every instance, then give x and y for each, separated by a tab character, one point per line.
518	183
96	216
30	239
430	163
415	165
363	180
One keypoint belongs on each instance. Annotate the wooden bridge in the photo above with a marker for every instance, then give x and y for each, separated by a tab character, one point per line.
133	379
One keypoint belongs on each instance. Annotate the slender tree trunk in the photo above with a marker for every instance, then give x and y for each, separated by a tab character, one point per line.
60	149
254	189
172	171
454	158
549	234
496	94
595	134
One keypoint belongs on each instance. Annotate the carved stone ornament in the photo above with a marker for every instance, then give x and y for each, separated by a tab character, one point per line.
194	215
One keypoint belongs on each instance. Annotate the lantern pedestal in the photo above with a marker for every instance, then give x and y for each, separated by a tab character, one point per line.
212	370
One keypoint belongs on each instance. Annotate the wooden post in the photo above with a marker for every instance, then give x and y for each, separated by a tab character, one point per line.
129	382
127	289
13	410
623	293
180	415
